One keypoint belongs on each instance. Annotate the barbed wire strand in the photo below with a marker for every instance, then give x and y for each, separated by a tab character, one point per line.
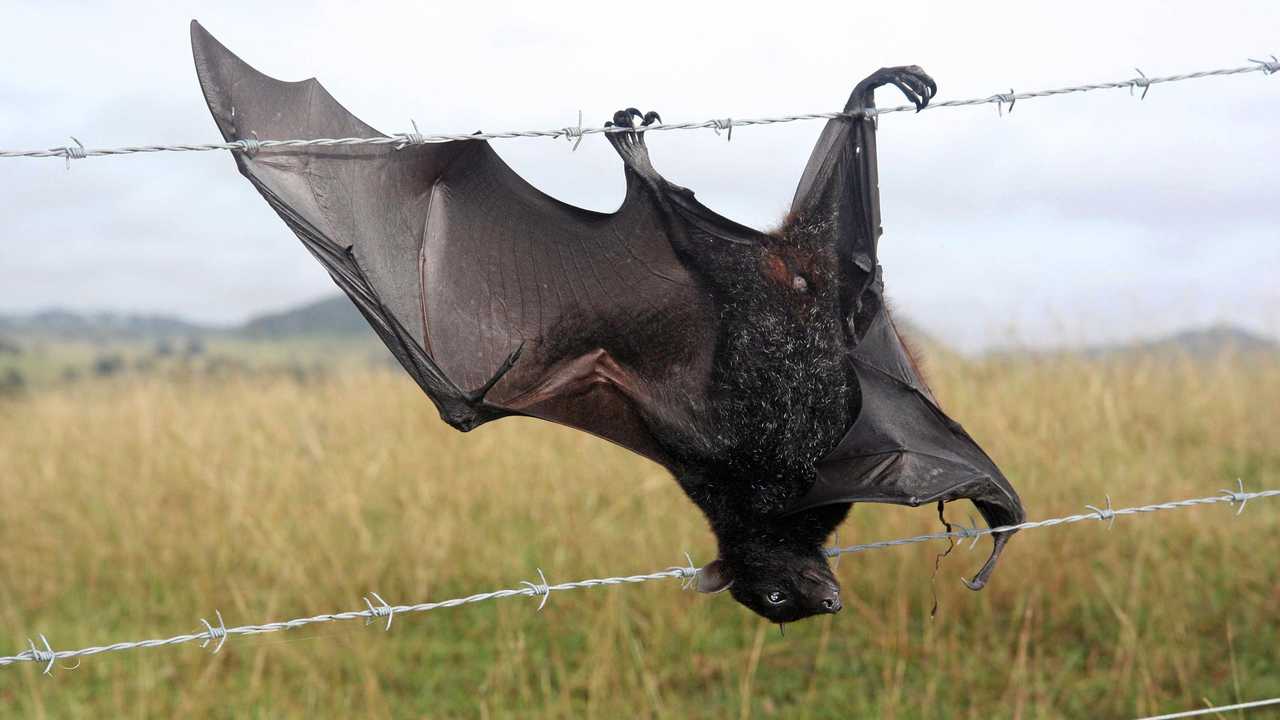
1220	709
45	655
1003	101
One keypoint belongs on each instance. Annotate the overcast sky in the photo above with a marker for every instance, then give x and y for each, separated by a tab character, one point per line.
1082	218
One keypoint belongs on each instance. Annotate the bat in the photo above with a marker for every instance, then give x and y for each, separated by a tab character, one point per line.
762	369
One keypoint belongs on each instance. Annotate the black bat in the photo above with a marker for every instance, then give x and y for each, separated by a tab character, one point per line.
762	369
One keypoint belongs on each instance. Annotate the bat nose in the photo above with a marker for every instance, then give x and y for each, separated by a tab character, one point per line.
831	603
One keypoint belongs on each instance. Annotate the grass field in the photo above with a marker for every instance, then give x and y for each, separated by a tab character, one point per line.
134	506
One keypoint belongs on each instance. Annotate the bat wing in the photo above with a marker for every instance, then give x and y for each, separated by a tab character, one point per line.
495	297
900	447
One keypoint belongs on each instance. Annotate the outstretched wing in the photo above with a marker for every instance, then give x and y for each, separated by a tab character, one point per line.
496	298
901	447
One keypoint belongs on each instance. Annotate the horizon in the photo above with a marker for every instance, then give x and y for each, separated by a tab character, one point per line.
914	328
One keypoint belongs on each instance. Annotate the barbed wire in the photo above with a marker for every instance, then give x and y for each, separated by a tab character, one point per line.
1106	514
1217	709
1004	102
376	608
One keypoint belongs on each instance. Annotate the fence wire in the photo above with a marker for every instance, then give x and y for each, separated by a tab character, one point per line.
379	610
1004	102
1238	707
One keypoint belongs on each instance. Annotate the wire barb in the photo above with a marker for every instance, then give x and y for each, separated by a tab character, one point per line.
541	588
214	632
725	124
971	531
1106	514
688	574
1001	98
382	609
73	153
411	138
1269	67
1141	81
250	145
1241	496
574	133
47	655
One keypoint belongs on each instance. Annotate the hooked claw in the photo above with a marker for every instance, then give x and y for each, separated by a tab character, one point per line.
914	83
628	117
979	581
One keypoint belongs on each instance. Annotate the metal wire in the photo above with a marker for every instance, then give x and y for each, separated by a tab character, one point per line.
1220	709
1003	101
45	655
1107	515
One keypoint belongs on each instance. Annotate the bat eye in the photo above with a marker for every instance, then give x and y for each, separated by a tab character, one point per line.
777	598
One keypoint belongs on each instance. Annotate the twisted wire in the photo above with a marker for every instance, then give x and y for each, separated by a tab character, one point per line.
1215	710
1003	101
1107	515
47	656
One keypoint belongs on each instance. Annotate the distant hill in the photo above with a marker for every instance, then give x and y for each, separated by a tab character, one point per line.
331	317
335	317
67	325
1200	344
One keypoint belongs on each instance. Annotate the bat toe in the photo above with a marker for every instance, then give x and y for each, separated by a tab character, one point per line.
913	81
628	117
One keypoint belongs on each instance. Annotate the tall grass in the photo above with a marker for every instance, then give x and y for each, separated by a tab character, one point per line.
131	508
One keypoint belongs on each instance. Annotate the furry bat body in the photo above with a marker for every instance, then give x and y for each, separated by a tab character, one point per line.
761	369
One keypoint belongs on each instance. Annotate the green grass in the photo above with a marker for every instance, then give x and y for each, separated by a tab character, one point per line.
134	506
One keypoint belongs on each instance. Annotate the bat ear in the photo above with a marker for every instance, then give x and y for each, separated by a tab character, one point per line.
714	577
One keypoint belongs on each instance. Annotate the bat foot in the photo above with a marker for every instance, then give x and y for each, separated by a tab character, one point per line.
914	83
633	118
630	145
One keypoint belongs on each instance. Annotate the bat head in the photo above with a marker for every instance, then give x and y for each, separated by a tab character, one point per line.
777	581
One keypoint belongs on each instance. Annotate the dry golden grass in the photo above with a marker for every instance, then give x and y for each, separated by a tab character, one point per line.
131	508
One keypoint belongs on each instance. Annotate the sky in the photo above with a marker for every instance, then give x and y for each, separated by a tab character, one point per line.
1077	219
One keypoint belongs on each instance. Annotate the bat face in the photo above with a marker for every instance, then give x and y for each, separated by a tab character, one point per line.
779	571
784	587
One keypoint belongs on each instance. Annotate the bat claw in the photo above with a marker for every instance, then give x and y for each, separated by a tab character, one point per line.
979	580
914	83
633	118
627	117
